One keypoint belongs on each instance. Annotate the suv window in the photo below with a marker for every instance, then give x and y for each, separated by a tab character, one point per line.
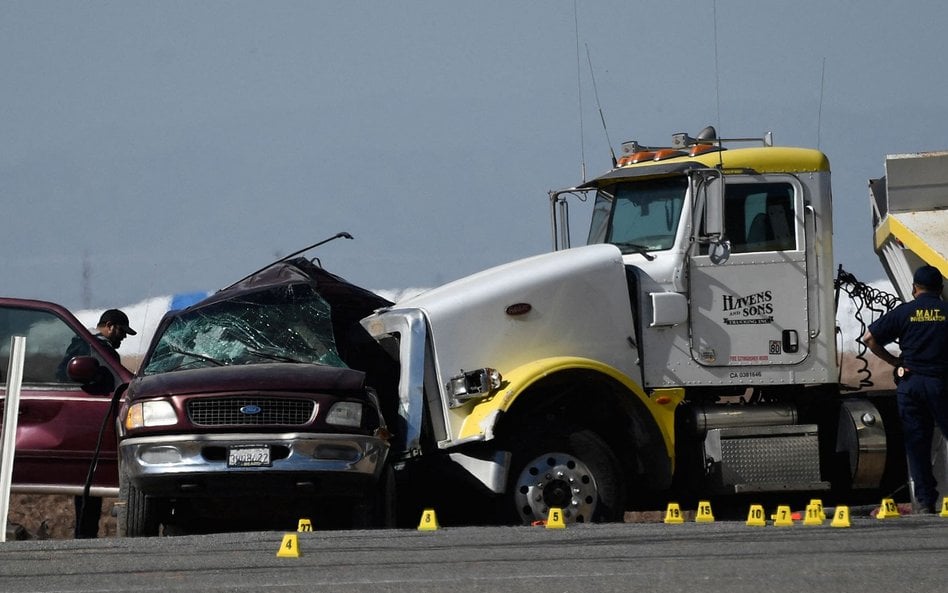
47	339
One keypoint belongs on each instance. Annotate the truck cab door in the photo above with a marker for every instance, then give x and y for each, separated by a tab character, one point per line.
751	310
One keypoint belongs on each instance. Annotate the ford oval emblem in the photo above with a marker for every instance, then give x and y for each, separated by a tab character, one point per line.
250	409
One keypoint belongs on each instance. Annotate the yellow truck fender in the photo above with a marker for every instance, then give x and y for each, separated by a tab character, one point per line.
479	424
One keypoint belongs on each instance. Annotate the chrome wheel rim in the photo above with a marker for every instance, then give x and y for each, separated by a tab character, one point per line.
556	480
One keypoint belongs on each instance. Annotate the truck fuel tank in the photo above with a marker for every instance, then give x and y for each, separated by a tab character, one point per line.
714	416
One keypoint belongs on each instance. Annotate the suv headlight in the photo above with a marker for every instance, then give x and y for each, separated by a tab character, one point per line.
345	414
150	413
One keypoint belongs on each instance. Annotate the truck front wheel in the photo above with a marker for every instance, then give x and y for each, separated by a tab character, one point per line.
576	473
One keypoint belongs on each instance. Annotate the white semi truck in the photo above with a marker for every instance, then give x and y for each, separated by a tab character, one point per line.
688	350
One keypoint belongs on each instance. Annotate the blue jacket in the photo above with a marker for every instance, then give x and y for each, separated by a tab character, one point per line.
921	327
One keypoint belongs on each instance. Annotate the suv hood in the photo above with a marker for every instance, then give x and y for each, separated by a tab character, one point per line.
307	378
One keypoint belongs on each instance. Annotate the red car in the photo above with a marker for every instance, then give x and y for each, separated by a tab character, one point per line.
59	419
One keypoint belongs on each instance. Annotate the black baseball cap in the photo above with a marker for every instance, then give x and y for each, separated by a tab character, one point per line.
116	317
928	277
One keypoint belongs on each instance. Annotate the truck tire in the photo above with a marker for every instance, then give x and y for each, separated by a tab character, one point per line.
577	473
138	514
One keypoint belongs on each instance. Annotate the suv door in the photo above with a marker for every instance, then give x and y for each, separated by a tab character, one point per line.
59	419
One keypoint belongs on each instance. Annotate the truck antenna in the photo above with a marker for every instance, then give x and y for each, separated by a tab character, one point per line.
592	74
717	73
717	80
579	92
819	114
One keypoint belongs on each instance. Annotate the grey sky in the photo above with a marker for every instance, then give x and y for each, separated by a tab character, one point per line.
176	146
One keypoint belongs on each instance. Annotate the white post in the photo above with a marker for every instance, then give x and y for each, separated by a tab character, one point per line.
11	411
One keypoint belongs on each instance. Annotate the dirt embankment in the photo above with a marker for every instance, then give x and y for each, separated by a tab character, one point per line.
41	516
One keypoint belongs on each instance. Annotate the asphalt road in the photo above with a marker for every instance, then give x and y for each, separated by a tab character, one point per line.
904	554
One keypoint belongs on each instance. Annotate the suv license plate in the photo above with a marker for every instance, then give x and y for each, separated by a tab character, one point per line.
249	456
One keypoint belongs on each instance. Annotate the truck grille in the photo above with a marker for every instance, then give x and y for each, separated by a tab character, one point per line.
254	411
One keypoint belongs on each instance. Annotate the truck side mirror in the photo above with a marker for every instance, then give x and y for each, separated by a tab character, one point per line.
719	251
712	183
708	188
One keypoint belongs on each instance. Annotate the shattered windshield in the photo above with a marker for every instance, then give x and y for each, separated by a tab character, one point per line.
287	323
639	216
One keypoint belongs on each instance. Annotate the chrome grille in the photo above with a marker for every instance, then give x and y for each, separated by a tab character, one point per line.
239	411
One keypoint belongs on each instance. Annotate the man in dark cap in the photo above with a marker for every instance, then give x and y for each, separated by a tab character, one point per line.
921	327
112	328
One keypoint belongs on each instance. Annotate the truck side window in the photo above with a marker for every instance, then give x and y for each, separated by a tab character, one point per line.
47	338
760	217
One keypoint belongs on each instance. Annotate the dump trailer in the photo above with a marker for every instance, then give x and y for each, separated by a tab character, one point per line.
688	350
910	220
910	216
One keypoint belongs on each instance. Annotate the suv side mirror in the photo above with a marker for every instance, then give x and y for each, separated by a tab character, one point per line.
83	369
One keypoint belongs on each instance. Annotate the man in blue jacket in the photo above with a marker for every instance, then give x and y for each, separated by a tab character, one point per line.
921	327
111	330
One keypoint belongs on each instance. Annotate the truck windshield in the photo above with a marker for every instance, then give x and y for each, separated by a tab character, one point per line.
289	323
638	216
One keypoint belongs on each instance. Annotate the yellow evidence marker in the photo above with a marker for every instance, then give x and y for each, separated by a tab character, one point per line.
944	507
429	522
755	516
841	517
304	525
814	514
888	509
290	547
673	513
819	503
554	520
704	514
783	518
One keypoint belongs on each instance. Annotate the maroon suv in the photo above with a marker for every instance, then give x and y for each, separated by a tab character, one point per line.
59	419
249	404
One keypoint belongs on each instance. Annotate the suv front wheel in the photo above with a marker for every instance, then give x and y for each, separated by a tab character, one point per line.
138	515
